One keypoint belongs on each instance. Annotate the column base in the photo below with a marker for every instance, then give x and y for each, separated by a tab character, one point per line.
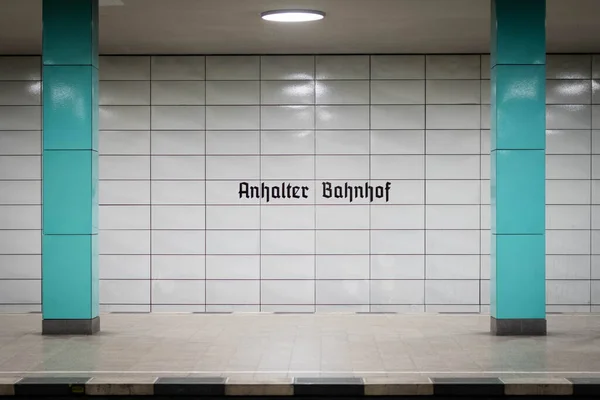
70	326
518	327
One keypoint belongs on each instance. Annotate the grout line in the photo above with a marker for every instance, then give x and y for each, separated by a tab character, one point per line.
205	205
260	177
425	185
150	175
370	182
315	182
480	174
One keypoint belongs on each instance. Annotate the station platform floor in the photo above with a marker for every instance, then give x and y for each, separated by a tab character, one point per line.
276	347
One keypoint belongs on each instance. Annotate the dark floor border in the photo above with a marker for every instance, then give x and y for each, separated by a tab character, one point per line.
302	388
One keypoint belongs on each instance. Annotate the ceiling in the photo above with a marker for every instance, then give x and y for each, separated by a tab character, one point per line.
351	26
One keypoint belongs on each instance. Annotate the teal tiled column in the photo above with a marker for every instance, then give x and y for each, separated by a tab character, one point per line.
518	122
70	167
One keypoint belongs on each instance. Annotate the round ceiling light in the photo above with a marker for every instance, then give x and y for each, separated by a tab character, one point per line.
292	15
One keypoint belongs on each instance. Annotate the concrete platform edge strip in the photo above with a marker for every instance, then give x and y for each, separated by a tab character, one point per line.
299	387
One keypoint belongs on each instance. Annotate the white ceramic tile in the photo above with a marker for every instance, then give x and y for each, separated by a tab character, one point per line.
595	191
567	242
178	93
20	242
124	242
20	142
20	192
568	217
595	117
342	167
397	142
287	92
485	240
124	68
177	142
342	267
232	68
453	192
20	93
287	292
124	167
124	217
485	142
230	167
452	217
124	192
595	217
452	267
453	117
397	167
568	292
287	142
124	308
287	242
232	117
231	308
124	118
453	142
342	242
178	217
397	242
342	92
287	167
453	292
288	267
342	117
568	267
20	291
124	267
178	308
20	118
403	192
484	294
178	167
333	292
178	267
452	242
568	142
342	142
396	292
232	217
178	117
486	122
398	67
177	192
227	192
20	68
183	68
124	142
568	66
232	93
398	117
232	242
397	308
384	266
125	292
568	167
397	217
568	117
485	217
287	117
287	67
286	308
232	142
233	267
124	93
337	308
342	67
595	242
595	66
178	242
486	92
398	92
568	92
287	217
342	217
20	167
452	167
595	270
453	66
568	192
453	91
240	292
21	266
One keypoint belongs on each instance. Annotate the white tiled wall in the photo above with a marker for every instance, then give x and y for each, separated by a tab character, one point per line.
179	132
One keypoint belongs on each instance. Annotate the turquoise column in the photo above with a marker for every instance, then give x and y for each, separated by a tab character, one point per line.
518	122
70	167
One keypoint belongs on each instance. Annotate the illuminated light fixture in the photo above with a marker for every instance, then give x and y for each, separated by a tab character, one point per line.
292	15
